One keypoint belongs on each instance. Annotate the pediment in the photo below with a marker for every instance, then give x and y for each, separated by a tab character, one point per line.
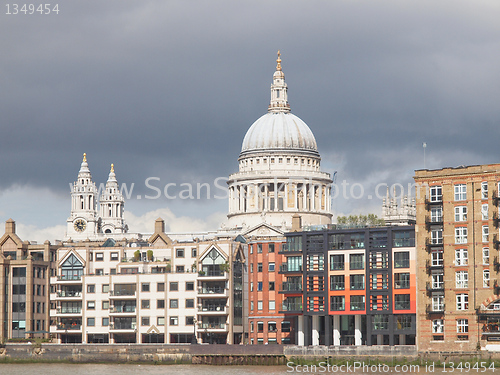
263	230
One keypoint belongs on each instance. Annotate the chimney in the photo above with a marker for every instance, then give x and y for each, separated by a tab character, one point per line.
296	223
159	225
10	226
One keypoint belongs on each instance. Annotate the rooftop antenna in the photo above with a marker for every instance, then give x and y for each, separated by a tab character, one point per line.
424	145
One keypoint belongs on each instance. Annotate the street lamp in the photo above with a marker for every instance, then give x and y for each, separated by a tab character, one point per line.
194	340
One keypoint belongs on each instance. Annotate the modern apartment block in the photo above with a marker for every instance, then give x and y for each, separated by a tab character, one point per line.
25	269
458	262
351	286
148	291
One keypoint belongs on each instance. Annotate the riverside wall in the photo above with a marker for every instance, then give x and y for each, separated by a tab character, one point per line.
223	354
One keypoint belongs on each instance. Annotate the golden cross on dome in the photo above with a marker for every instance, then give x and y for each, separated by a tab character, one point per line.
278	66
84	157
112	168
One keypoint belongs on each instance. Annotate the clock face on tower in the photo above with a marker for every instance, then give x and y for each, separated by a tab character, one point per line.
80	225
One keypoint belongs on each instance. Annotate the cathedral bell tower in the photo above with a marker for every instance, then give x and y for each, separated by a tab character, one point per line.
111	204
83	222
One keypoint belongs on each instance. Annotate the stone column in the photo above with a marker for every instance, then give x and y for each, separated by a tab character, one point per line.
357	330
336	330
300	330
315	330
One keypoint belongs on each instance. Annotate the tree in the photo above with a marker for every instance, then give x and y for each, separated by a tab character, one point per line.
137	255
370	219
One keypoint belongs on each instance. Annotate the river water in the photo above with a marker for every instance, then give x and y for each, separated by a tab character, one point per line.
125	369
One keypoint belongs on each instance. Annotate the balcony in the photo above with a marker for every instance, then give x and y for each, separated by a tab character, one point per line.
212	309
212	326
69	327
287	287
285	269
287	249
291	307
430	266
123	310
122	326
213	291
69	294
436	200
435	287
213	274
494	198
436	309
122	294
429	221
496	243
69	311
433	243
67	279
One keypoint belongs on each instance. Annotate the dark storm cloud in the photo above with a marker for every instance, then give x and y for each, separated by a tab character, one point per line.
169	88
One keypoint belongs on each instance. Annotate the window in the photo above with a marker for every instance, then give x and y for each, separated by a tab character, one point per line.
251	286
401	301
190	320
436	214
105	305
272	305
402	280
486	233
462	301
259	286
460	192
251	326
357	261
438	303
357	303
271	327
461	235
145	304
436	236
462	326
259	248
271	285
145	321
402	259
484	190
189	285
337	282
259	267
105	322
260	326
437	326
437	257
337	303
174	320
105	288
357	282
486	255
189	303
461	257
114	256
403	322
160	304
486	278
145	287
259	305
174	303
461	213
160	287
461	279
337	262
484	211
271	248
285	326
90	305
174	286
193	252
91	288
251	306
437	280
271	267
99	257
91	322
160	321
436	194
179	253
179	269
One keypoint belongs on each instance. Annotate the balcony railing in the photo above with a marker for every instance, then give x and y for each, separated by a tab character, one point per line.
435	286
122	293
435	309
291	306
284	268
69	310
291	287
212	274
123	309
217	308
211	290
286	248
69	278
69	327
69	293
122	325
212	326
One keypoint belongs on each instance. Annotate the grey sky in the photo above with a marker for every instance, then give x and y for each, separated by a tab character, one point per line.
169	88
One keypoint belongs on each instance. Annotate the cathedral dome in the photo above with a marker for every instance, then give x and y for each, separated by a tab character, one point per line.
280	131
